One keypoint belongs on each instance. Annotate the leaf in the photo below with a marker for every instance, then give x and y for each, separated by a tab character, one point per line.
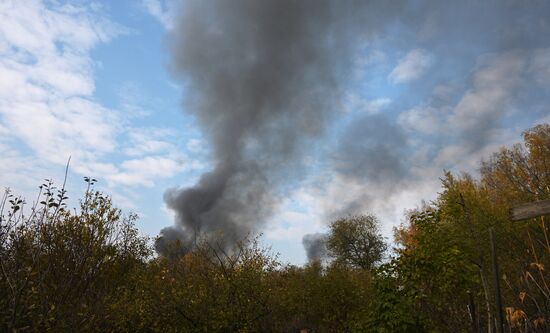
522	296
539	266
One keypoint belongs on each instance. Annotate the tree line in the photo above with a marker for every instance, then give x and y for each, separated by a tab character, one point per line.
88	269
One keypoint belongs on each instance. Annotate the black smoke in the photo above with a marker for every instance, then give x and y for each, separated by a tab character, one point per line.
371	148
264	79
315	246
173	244
261	80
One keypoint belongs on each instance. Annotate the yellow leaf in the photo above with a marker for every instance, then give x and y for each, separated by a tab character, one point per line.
522	296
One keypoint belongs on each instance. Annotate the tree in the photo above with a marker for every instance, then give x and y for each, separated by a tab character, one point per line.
209	289
443	270
60	269
430	282
356	241
520	173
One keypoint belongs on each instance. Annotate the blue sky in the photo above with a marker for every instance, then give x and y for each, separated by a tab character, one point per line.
90	80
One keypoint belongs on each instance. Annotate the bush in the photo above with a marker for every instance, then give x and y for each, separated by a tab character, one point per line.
60	268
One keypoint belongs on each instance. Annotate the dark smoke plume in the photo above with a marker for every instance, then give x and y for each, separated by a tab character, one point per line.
173	244
315	246
371	148
263	79
260	80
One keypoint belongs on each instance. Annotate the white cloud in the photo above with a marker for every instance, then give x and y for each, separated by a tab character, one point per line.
299	213
196	146
162	10
15	169
493	87
355	102
424	119
144	141
145	170
46	82
48	110
460	158
471	126
310	208
411	67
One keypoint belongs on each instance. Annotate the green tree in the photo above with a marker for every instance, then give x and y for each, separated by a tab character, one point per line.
320	298
356	241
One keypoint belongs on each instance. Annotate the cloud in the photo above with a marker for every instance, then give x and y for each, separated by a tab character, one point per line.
162	11
145	170
299	213
48	110
327	199
424	119
355	102
146	141
411	67
492	88
496	92
46	82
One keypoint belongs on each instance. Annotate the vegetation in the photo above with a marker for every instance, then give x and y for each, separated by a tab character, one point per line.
88	269
355	241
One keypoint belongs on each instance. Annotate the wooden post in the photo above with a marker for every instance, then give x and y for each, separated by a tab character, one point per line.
496	275
473	314
530	210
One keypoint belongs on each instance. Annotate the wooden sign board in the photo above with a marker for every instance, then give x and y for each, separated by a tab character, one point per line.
530	210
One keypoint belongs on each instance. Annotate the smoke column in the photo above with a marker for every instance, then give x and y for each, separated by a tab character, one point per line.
315	246
263	79
260	79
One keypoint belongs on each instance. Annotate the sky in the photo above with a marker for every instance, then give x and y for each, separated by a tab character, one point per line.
390	96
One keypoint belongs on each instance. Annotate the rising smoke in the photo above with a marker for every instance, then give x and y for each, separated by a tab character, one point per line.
315	246
264	79
261	80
